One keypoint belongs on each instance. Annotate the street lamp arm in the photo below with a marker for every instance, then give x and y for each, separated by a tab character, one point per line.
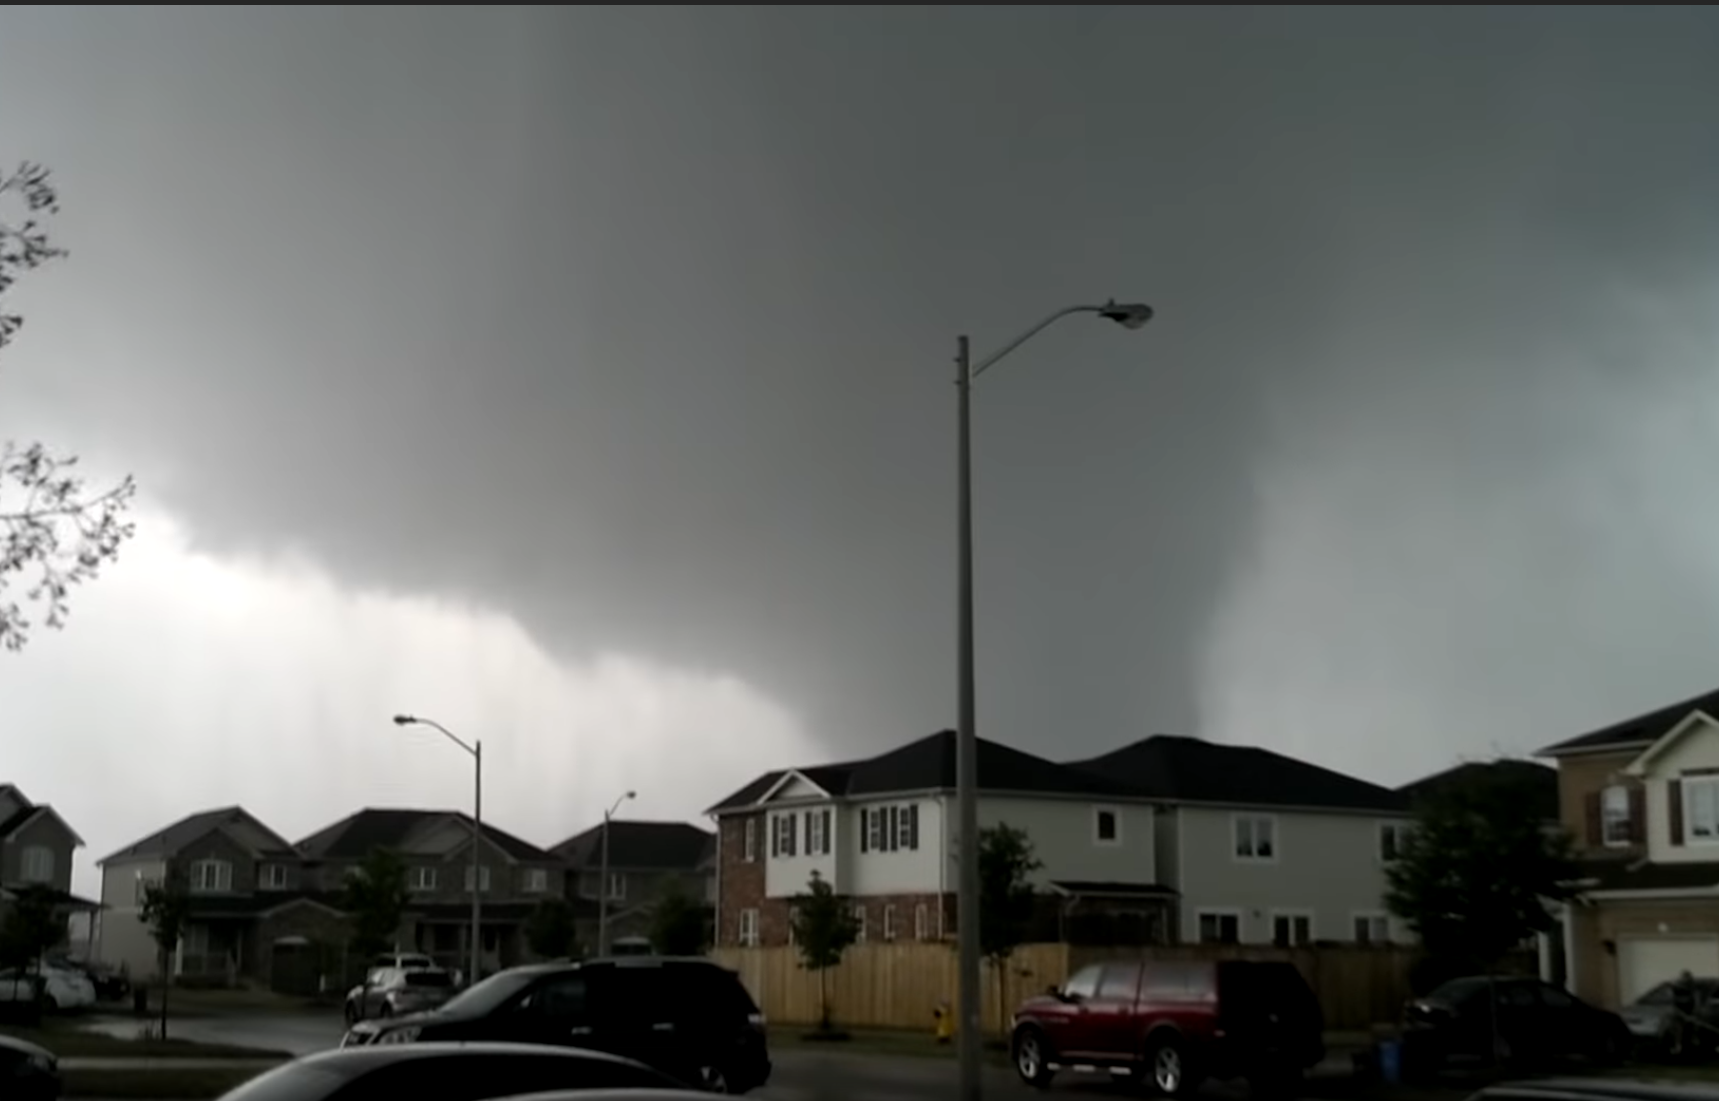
415	720
1067	311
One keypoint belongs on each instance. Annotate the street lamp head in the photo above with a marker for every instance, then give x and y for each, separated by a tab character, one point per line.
632	795
1129	315
404	720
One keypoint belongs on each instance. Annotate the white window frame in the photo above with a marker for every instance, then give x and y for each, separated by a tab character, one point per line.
617	886
1115	821
859	922
784	835
749	841
1217	912
1293	915
536	881
200	877
747	933
1615	811
422	877
1253	818
1690	784
921	922
818	831
889	921
1375	919
482	879
1397	831
36	854
273	878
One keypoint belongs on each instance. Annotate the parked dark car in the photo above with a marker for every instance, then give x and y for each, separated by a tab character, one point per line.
1650	1019
687	1017
27	1072
445	1072
397	991
1174	1023
1536	1023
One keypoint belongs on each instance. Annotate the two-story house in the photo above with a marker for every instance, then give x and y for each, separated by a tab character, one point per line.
36	850
513	878
1640	800
1263	848
645	861
246	892
882	832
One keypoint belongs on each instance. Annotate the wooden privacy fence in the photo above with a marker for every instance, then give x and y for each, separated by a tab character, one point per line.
899	985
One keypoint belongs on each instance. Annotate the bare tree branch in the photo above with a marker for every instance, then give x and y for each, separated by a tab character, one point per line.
54	532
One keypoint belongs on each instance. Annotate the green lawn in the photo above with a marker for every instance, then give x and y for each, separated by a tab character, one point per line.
64	1039
190	1084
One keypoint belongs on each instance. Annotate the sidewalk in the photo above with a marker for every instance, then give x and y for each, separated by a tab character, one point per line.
163	1062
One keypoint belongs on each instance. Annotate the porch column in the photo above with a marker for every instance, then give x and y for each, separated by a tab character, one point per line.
1543	949
1568	928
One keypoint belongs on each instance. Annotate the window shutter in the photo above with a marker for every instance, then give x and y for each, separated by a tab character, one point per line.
865	830
791	842
894	829
1674	801
1637	815
827	831
1591	809
913	827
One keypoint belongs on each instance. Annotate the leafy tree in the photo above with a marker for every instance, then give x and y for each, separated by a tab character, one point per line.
33	925
1006	899
824	927
166	909
1474	876
550	931
375	901
54	532
678	922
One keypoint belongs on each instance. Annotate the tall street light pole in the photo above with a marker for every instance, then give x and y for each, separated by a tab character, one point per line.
603	879
475	748
968	1038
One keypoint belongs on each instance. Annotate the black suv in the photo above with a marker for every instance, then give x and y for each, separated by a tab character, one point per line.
687	1017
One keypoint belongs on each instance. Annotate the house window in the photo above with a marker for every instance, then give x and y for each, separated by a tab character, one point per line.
889	922
818	832
859	924
921	922
1220	927
1615	816
617	886
274	877
1291	930
482	880
784	834
889	829
1391	838
1255	837
536	881
1372	929
38	866
210	876
1701	807
424	879
749	841
1106	826
749	928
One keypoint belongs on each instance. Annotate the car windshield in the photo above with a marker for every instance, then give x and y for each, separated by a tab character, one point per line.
1457	991
489	994
429	978
1659	995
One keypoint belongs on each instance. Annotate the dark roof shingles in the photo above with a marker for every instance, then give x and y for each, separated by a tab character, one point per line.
1640	730
357	835
183	832
634	844
1181	769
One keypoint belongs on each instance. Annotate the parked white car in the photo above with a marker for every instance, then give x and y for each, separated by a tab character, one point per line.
63	989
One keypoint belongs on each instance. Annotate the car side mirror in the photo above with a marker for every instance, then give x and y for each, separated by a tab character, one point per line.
1054	991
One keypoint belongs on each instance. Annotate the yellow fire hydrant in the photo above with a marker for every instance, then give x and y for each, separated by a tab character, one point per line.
945	1022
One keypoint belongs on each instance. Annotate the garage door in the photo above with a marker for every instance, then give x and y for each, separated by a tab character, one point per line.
1645	962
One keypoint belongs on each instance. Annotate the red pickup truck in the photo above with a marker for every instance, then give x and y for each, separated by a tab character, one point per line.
1175	1023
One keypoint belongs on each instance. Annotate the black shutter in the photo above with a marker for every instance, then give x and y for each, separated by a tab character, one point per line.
913	827
829	821
1637	815
894	830
1594	813
1674	803
865	830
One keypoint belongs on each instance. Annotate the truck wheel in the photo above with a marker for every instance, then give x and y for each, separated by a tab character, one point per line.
1166	1068
1032	1058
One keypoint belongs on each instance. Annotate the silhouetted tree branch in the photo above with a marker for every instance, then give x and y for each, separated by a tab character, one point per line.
54	532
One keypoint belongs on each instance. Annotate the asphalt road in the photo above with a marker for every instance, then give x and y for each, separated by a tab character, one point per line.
799	1075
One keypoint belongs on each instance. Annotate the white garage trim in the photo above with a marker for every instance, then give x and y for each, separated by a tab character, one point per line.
1644	962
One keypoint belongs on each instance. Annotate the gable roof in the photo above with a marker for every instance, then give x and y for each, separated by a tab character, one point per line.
357	835
30	814
1180	769
1538	783
928	764
1639	732
168	841
636	844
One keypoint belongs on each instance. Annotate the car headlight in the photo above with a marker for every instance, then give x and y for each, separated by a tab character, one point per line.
45	1062
399	1035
